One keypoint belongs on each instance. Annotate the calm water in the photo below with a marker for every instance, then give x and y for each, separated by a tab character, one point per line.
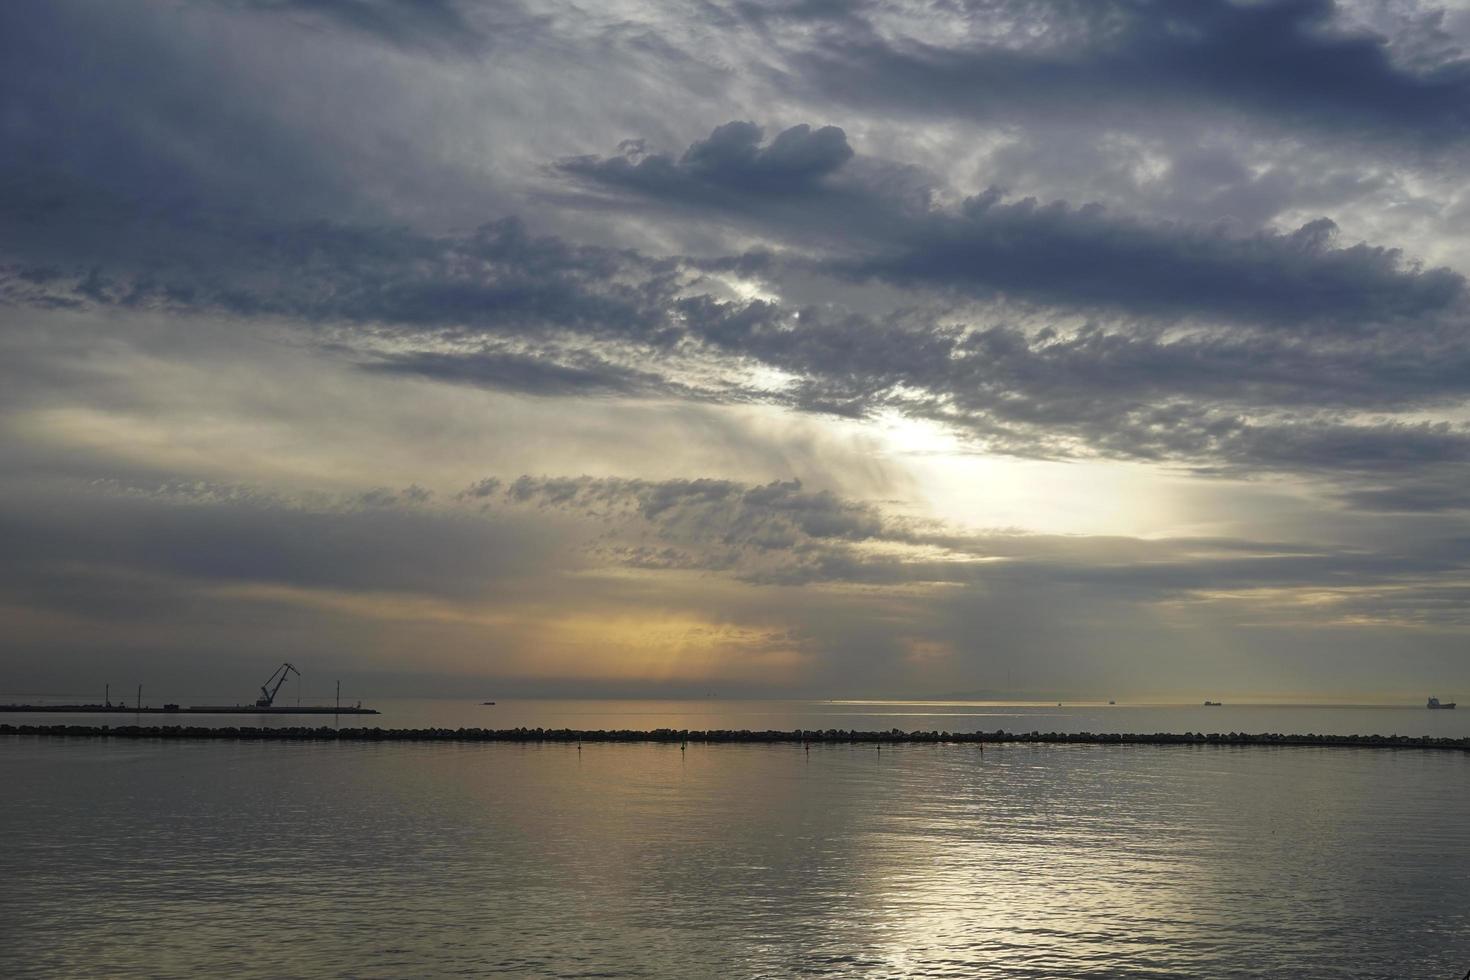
708	713
141	859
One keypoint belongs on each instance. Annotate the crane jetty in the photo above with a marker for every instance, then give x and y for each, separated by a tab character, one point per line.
264	705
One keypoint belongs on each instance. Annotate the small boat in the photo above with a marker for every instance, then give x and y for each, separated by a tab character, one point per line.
1434	703
1212	704
483	703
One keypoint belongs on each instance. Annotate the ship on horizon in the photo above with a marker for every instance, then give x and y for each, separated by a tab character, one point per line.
1435	703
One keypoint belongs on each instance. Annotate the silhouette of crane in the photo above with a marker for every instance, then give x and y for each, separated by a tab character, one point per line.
267	691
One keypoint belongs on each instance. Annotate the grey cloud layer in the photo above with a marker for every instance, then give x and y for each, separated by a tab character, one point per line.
431	24
1056	254
1292	63
503	295
489	546
492	536
782	532
503	308
732	158
1049	253
204	535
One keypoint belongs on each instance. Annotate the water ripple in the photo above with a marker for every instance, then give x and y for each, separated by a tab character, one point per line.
390	860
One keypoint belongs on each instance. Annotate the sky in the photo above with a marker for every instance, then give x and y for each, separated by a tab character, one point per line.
823	348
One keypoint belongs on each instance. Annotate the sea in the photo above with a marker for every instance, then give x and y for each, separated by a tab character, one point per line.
154	858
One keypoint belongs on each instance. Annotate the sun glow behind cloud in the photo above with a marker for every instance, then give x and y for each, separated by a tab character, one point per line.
969	487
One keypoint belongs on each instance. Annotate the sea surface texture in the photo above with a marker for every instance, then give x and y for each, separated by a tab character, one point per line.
179	859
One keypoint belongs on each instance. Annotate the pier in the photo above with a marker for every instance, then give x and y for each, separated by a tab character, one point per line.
264	705
236	709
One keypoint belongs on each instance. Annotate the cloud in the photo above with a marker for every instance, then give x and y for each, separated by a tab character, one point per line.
498	276
522	533
1056	255
773	566
1291	65
502	308
1243	402
524	373
781	532
732	160
767	517
173	226
416	24
1444	489
375	540
119	134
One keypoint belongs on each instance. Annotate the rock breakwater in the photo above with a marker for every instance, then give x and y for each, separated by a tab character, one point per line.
725	736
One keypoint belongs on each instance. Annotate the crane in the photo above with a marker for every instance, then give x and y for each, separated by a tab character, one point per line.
267	691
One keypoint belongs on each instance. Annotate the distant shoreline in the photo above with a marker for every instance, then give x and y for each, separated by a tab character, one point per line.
829	736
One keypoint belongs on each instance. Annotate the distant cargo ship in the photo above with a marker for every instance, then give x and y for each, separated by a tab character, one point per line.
1213	704
1434	703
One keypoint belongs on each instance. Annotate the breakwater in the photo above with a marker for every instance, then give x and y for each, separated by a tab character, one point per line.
831	736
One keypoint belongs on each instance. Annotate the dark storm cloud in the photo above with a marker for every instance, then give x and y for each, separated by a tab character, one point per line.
731	160
1050	254
1082	257
1288	63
